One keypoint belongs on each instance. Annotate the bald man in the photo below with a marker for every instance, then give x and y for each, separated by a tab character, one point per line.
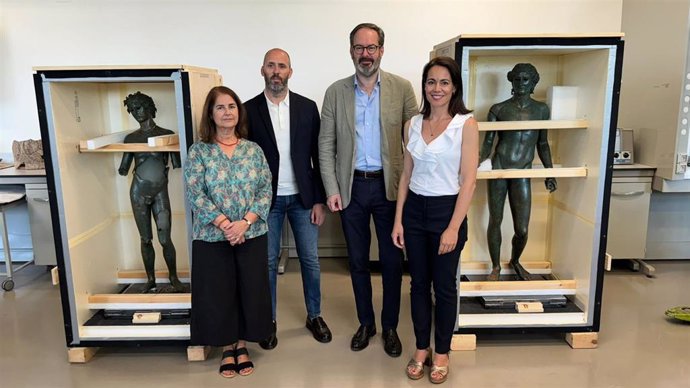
286	126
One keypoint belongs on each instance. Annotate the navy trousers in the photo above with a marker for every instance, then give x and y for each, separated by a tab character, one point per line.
424	220
369	200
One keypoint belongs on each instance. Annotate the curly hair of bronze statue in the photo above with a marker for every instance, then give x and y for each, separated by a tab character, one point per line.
144	100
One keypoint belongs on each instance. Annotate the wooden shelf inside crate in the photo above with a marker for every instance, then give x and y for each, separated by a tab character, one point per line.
556	172
487	126
114	143
484	267
139	276
132	147
140	301
518	288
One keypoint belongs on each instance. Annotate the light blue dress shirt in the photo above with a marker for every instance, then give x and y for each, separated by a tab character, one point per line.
368	128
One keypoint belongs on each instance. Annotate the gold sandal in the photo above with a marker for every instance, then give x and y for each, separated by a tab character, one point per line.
415	369
441	371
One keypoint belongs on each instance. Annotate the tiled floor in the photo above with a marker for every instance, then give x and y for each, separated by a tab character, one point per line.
638	346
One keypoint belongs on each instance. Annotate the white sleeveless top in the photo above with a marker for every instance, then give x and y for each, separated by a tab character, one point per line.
436	168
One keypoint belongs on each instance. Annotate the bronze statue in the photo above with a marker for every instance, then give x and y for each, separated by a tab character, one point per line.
515	149
149	191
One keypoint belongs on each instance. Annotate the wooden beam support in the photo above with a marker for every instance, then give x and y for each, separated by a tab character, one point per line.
587	340
80	355
198	353
517	285
531	125
132	147
164	140
141	298
556	172
463	342
102	141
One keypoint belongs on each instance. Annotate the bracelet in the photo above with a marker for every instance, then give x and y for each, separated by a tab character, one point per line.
222	222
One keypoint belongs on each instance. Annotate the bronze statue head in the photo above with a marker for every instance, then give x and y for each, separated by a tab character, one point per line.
140	99
528	71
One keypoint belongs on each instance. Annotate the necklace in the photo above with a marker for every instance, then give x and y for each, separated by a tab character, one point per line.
431	127
237	140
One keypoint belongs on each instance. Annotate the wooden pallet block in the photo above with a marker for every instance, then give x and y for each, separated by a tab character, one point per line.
80	355
529	307
583	340
463	342
198	353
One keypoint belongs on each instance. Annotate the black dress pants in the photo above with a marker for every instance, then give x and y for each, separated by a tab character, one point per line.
231	299
424	220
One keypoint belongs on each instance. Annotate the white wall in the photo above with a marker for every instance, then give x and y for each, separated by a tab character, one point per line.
233	35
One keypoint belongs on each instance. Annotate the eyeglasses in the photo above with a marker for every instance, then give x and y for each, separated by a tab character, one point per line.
359	49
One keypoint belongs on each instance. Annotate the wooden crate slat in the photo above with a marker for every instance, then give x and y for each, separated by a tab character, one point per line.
531	125
556	172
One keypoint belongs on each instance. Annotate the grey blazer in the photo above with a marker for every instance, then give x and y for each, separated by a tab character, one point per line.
337	136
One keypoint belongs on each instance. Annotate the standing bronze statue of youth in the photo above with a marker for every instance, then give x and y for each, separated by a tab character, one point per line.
149	191
515	150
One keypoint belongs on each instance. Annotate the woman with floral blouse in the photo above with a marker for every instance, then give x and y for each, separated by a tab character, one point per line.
228	185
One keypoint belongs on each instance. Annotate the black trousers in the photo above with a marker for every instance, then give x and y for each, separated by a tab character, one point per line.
231	299
424	220
369	200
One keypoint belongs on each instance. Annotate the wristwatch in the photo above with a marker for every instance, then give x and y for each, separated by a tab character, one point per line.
249	223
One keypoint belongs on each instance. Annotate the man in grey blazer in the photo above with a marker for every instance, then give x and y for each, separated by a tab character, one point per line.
361	157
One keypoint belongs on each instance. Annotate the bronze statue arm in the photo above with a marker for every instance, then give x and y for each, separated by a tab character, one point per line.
175	159
487	145
544	152
127	159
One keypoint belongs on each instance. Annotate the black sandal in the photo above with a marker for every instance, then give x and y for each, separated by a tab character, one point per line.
243	365
230	366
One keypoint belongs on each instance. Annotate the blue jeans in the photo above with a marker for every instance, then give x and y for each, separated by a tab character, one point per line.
306	236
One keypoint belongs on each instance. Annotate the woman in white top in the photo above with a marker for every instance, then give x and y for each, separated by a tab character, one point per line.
436	187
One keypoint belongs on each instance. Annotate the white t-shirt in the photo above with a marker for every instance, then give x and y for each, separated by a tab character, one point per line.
280	119
436	168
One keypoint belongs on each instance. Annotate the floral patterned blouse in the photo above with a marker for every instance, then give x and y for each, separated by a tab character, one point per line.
216	184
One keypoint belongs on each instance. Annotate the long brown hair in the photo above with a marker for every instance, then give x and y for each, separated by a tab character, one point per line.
455	105
207	127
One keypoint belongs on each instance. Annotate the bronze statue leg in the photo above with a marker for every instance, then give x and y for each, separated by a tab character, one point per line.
142	215
520	199
497	190
161	214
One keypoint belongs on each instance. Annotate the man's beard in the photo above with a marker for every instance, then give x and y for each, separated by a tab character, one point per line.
276	88
368	71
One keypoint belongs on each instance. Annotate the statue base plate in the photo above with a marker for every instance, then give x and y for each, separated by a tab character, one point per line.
503	302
